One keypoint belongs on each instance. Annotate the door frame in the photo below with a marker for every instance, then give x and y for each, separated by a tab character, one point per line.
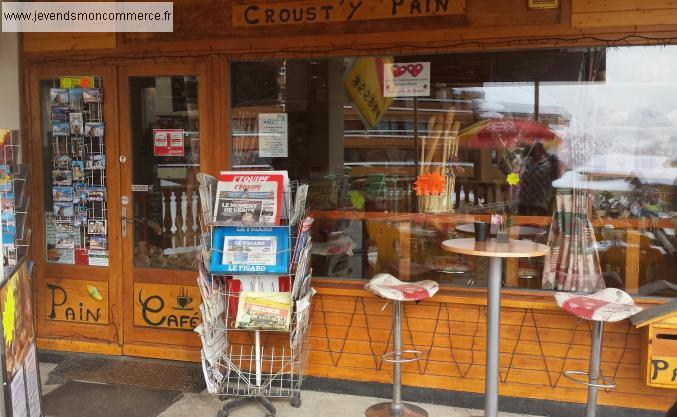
60	335
143	341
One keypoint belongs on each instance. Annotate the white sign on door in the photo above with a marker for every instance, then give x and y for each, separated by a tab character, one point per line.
409	79
273	135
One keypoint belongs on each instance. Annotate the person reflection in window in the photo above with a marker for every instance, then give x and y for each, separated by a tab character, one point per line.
536	182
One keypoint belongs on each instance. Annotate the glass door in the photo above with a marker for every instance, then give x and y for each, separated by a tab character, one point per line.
76	250
161	156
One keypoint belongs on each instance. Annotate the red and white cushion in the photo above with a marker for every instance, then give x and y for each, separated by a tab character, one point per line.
610	304
387	286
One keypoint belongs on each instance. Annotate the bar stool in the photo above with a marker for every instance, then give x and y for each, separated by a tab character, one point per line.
608	305
388	287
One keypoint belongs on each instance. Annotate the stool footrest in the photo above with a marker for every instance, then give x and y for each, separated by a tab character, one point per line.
608	383
416	355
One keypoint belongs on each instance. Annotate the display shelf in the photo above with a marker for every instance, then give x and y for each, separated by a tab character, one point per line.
78	224
271	364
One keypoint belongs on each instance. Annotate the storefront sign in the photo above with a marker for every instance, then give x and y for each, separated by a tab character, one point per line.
273	136
340	11
166	306
77	301
168	142
411	79
364	85
73	82
664	371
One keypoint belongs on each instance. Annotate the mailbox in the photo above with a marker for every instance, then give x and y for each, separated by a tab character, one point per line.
659	344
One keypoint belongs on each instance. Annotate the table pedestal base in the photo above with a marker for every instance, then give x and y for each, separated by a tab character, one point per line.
386	410
493	337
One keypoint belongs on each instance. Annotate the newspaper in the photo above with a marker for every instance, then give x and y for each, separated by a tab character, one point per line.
243	198
299	204
207	196
264	311
249	250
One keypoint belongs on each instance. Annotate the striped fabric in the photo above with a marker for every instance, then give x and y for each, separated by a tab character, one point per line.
573	262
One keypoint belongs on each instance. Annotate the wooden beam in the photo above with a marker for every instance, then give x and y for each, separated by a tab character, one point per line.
632	261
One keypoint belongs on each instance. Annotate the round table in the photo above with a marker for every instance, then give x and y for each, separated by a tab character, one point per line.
495	252
469	228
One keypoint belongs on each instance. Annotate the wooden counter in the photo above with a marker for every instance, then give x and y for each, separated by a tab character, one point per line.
350	332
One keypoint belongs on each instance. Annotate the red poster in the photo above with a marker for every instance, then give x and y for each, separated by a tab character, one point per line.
168	142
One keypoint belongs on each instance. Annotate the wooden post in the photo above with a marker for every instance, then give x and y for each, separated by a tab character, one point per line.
632	262
512	264
404	254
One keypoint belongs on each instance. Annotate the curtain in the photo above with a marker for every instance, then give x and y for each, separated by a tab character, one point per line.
573	262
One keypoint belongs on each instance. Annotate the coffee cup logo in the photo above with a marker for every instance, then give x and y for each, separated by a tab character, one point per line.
183	300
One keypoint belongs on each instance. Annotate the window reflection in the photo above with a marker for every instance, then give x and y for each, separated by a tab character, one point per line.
165	159
597	120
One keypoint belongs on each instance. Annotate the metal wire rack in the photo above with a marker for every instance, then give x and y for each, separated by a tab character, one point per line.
248	363
15	199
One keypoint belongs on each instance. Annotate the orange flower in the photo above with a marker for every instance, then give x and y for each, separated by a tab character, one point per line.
430	184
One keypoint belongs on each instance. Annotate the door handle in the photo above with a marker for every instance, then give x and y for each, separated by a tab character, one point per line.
123	223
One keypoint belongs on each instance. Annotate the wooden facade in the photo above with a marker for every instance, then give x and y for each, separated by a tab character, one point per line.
349	330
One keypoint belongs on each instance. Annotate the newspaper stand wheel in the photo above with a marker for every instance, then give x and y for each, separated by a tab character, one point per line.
254	364
295	402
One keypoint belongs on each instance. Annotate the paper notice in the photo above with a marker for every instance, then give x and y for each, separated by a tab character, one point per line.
18	388
411	79
33	384
273	135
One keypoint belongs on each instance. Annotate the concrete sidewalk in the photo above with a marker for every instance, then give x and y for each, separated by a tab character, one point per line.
315	404
87	399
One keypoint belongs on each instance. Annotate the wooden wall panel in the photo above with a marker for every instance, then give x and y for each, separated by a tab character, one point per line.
348	335
64	42
619	13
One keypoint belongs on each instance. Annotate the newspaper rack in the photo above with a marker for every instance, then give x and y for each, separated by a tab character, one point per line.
253	364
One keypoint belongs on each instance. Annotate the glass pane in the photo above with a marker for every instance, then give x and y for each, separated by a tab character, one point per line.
76	197
573	148
165	158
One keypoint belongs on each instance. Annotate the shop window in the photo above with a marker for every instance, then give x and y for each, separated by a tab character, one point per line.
587	132
166	156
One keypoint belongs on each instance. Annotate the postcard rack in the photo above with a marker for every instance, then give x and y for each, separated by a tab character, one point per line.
77	229
15	198
242	360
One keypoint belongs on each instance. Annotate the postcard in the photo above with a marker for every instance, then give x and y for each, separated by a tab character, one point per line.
96	162
97	227
59	112
80	194
96	193
98	243
62	162
94	129
63	228
62	193
8	213
65	240
5	178
62	177
98	258
77	147
76	122
80	216
75	96
63	209
91	95
78	168
58	96
60	128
